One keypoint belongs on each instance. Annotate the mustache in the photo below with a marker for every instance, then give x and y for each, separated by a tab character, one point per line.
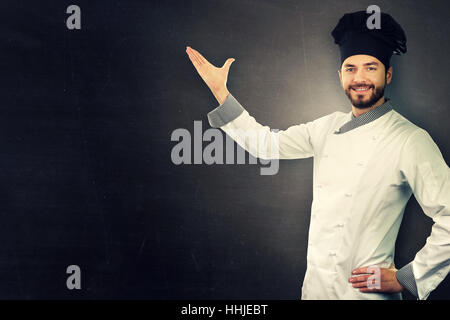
361	86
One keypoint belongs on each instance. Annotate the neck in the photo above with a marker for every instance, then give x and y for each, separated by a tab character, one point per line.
357	112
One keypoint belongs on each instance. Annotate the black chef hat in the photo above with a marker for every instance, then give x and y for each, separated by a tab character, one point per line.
354	37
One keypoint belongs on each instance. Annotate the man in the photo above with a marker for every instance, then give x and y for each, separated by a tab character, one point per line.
367	164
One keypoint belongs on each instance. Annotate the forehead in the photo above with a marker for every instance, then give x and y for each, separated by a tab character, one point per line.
360	59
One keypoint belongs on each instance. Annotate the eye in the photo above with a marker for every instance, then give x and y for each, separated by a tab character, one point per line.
371	68
349	69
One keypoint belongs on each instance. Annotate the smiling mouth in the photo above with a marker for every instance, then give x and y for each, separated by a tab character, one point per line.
361	89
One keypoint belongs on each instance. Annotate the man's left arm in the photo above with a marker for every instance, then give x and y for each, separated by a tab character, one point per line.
428	175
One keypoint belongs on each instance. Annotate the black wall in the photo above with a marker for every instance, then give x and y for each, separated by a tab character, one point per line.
86	117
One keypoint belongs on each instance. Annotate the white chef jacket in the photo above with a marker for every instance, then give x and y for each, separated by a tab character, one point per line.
362	181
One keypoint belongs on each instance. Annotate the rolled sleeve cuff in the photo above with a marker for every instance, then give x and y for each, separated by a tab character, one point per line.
406	278
226	112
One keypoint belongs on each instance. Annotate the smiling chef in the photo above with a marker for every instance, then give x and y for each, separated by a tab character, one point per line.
367	164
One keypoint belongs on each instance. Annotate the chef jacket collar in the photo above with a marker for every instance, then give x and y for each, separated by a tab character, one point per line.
365	118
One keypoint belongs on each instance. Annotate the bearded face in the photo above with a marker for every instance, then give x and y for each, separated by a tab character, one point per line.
364	79
364	95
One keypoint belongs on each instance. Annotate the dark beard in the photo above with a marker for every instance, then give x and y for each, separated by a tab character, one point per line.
377	94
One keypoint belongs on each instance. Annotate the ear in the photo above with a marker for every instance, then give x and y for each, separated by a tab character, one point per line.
389	75
340	75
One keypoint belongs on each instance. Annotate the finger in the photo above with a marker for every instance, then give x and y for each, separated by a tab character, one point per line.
228	63
193	60
192	56
371	284
363	270
199	56
369	290
362	284
359	279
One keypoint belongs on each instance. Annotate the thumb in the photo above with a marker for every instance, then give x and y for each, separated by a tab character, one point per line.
228	63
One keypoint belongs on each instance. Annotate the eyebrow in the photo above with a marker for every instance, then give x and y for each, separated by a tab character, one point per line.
372	63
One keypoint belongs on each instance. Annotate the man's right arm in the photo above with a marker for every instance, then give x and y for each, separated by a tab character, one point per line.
259	140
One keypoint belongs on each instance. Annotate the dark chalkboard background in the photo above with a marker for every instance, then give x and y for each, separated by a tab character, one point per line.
86	118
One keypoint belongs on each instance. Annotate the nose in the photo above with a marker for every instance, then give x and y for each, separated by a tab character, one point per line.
359	76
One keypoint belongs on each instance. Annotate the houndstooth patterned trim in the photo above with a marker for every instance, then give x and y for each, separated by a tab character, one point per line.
365	118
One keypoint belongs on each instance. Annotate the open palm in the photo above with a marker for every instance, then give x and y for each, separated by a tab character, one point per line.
215	78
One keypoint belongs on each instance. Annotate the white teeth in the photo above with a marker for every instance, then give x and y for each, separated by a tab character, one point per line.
361	89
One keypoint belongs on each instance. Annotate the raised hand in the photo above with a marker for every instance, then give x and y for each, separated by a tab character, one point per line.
215	78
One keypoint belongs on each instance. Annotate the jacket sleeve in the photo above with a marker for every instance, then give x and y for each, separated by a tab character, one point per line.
260	141
428	175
